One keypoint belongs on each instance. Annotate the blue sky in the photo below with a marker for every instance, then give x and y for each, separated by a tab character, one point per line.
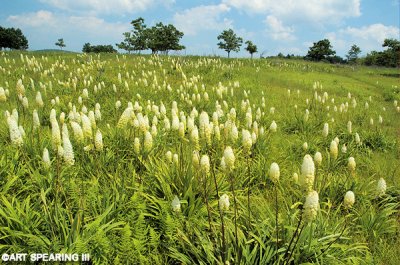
287	26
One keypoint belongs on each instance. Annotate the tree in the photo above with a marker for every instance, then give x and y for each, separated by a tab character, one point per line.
251	48
13	39
320	50
353	53
135	40
139	38
87	48
388	57
60	43
163	38
230	42
127	43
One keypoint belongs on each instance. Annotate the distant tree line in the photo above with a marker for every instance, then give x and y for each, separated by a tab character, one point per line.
159	38
12	38
164	38
322	51
87	48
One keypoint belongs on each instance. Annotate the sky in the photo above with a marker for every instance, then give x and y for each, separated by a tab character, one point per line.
286	26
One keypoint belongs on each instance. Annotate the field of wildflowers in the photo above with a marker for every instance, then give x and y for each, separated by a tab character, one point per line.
198	160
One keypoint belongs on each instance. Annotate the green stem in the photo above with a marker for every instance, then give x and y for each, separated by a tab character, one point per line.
276	220
235	213
248	193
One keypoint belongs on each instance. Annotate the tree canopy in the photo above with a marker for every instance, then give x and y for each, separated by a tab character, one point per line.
353	53
163	38
388	57
229	41
12	38
321	50
87	47
159	38
251	48
60	43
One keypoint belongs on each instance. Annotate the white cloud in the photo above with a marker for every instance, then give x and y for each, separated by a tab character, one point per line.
106	6
367	37
36	19
205	17
42	26
277	30
322	11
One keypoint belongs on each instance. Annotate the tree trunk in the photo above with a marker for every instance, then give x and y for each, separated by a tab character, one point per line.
228	54
251	56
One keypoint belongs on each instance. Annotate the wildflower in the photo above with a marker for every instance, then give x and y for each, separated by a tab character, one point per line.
194	137
55	134
349	199
3	97
98	141
86	126
307	175
46	158
136	145
60	151
381	187
39	100
148	142
325	131
176	204
234	133
344	148
229	158
205	164
358	140
176	159
224	202
77	130
273	126
168	156
318	158
311	206
36	121
181	130
295	177
351	164
15	133
334	149
246	141
305	146
195	160
68	153
349	127
125	117
25	102
274	172
306	115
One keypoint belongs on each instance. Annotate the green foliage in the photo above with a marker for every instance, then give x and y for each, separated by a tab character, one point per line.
115	204
12	38
251	48
353	53
163	38
135	40
88	48
159	38
388	57
60	43
321	50
230	41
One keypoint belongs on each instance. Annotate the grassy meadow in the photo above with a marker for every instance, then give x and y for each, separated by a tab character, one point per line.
199	160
